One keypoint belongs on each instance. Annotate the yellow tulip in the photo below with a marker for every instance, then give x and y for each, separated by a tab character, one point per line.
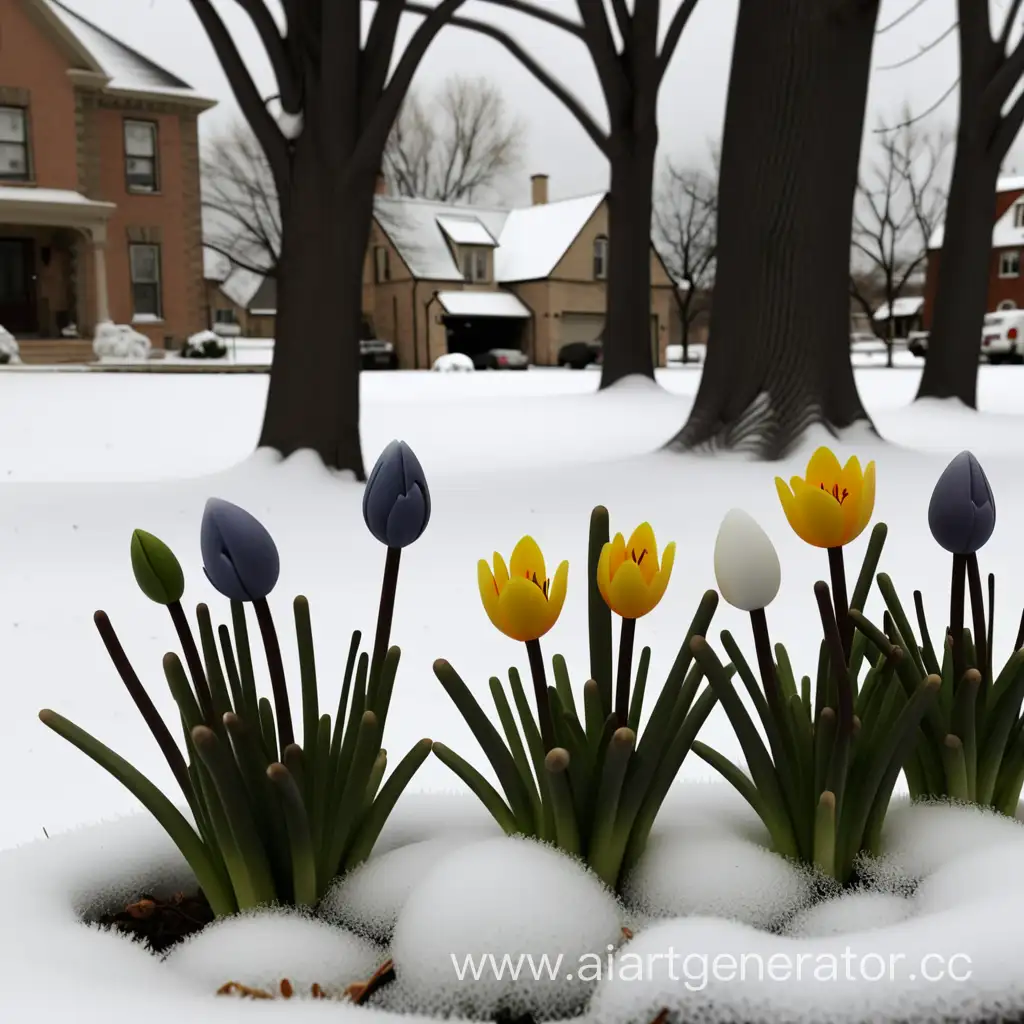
628	575
519	599
831	504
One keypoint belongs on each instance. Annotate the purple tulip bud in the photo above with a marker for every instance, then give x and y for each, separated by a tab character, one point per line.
962	512
239	557
396	502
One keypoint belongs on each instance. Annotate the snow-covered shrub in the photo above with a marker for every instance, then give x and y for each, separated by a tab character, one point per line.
204	345
119	341
9	352
453	362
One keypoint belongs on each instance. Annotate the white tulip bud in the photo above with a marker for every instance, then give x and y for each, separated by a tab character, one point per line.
746	565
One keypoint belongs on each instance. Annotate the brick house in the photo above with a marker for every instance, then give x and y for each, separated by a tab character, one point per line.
1005	283
99	182
440	277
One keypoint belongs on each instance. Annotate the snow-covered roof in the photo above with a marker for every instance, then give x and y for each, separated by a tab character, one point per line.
905	305
126	68
530	241
55	196
1010	183
1005	233
463	230
241	286
215	266
503	304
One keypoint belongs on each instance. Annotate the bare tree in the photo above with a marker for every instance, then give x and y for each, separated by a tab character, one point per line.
454	145
778	359
991	116
685	225
241	214
899	205
339	96
630	57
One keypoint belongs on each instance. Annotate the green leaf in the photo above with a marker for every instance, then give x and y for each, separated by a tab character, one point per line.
303	858
599	616
484	791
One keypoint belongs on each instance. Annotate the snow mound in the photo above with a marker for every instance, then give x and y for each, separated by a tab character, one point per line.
119	341
259	949
369	899
989	873
516	919
718	876
9	352
856	911
453	362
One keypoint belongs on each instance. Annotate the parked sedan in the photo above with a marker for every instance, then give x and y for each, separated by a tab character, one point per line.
501	359
1002	337
578	355
378	355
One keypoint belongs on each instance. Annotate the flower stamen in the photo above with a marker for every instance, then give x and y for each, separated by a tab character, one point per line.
835	493
543	586
641	558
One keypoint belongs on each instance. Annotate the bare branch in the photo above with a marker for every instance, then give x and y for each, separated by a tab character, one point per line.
901	18
557	20
288	85
672	36
622	18
922	51
597	135
597	34
240	264
917	118
1011	17
244	89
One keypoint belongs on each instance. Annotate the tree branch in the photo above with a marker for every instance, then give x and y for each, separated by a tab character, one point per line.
377	54
902	17
557	20
556	88
675	31
239	263
264	127
597	34
622	18
288	85
1011	15
922	51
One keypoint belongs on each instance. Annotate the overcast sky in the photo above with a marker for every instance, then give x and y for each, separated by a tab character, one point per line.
692	98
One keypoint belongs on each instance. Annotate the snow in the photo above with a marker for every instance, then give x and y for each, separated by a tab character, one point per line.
904	305
1006	234
120	342
453	362
489	304
855	911
465	230
241	286
52	197
506	896
9	351
260	948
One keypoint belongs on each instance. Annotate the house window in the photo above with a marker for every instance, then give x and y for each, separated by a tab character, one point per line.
1009	263
13	144
383	264
145	268
140	147
224	316
1018	215
601	258
474	264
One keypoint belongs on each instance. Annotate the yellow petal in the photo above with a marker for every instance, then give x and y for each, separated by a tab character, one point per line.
820	517
604	572
852	482
789	505
617	554
867	500
656	590
527	561
823	468
643	545
500	572
630	595
556	596
488	591
523	610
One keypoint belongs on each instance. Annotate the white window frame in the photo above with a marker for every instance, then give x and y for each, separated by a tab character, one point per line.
1018	214
601	258
152	156
381	264
20	113
136	282
1009	263
474	264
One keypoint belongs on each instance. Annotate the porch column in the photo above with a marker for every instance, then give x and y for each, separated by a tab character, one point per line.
98	238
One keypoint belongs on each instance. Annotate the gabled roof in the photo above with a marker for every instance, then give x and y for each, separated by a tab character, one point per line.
530	241
1005	233
127	69
905	305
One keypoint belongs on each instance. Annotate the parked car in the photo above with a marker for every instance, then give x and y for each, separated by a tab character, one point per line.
453	362
917	343
501	359
578	355
1002	337
378	355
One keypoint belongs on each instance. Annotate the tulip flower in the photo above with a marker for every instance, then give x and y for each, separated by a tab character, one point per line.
396	502
829	507
962	516
746	564
157	572
632	583
522	602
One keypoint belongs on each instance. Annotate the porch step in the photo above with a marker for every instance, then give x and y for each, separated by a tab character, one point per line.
58	351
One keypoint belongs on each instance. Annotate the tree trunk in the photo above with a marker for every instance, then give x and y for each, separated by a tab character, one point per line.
313	398
627	334
778	357
961	296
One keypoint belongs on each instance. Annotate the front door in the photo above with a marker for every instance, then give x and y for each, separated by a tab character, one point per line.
17	286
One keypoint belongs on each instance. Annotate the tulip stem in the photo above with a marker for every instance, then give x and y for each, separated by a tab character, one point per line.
275	666
622	681
540	692
385	616
194	662
766	663
837	570
956	616
978	616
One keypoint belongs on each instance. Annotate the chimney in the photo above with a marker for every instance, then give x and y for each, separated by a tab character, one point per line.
539	189
381	187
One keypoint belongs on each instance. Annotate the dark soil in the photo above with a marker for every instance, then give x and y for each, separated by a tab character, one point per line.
160	924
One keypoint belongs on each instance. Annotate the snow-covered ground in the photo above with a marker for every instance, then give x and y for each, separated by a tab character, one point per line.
88	457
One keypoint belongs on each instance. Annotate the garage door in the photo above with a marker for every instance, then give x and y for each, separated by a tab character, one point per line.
581	327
